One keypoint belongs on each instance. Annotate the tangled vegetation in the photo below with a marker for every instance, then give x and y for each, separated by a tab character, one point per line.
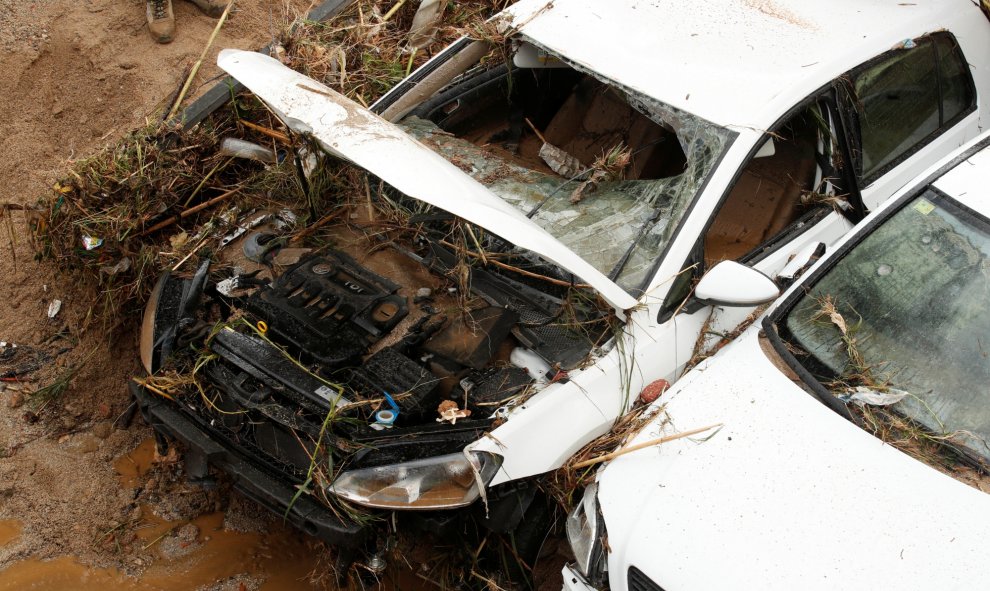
163	196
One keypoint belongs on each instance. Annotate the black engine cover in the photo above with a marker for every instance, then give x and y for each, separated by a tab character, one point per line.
330	307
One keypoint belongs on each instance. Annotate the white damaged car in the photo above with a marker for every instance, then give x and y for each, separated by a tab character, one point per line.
564	190
853	452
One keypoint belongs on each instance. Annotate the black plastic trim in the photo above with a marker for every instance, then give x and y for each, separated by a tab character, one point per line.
636	580
807	221
416	77
252	480
819	391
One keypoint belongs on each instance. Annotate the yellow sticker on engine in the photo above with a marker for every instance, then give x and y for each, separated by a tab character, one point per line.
924	206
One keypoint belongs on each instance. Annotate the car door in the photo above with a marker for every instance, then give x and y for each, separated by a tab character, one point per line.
790	196
880	124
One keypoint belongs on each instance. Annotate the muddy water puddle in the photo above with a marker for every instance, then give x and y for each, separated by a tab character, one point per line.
132	466
184	555
62	573
10	530
281	558
184	558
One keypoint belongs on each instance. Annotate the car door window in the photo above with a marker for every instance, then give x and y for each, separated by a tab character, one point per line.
779	186
905	98
958	94
793	180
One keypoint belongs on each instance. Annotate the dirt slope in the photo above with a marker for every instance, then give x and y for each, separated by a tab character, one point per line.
75	74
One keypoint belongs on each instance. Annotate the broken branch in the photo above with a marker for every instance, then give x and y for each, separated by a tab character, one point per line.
536	131
391	12
199	62
188	212
639	446
318	224
276	135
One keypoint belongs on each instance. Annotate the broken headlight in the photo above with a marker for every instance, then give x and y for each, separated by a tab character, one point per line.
441	482
586	532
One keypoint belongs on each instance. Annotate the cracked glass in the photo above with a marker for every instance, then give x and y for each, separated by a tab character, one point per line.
623	225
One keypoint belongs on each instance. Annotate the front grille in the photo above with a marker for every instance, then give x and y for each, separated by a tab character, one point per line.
250	441
640	582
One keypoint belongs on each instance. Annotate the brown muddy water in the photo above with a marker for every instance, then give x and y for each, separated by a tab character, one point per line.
210	557
207	553
9	530
280	559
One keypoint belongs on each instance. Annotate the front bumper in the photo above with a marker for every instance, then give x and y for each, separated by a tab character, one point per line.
574	581
248	474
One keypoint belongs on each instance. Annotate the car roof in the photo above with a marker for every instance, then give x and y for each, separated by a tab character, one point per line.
737	63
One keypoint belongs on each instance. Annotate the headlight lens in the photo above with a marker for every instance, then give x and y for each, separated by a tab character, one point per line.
585	530
441	482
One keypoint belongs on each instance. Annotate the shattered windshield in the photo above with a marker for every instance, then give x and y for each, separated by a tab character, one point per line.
902	320
607	172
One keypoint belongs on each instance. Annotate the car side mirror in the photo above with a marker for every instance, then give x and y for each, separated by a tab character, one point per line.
732	284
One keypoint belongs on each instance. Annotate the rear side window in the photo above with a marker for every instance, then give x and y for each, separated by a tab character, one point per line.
905	98
958	96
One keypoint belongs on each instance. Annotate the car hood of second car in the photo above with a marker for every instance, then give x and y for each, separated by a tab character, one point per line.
349	131
787	495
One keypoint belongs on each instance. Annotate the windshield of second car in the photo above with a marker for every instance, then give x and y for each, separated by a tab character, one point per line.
607	172
904	314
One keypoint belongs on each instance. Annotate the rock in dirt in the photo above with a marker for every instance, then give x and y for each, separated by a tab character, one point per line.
103	411
181	544
102	429
187	533
15	399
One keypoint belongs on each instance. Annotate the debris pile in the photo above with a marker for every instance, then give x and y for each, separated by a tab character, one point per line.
164	197
572	477
151	202
373	45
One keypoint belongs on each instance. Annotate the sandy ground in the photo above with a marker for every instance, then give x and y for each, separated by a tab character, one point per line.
75	74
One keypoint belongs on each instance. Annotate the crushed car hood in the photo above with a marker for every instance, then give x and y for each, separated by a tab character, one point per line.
787	495
353	133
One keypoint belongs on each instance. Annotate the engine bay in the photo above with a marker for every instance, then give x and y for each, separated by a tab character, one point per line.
369	353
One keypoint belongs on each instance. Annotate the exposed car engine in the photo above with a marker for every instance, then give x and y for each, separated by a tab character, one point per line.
333	362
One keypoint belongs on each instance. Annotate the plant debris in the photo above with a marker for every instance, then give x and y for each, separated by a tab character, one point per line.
362	53
162	196
576	474
872	399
